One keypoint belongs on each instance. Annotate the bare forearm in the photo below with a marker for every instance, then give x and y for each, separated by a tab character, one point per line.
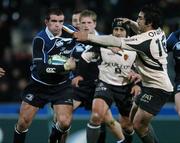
108	41
134	26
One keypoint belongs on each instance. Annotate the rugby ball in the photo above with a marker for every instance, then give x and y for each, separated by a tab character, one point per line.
57	60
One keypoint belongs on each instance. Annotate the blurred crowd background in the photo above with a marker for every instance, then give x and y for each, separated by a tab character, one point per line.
21	19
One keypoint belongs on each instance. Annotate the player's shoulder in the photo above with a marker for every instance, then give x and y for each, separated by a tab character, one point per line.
41	33
40	36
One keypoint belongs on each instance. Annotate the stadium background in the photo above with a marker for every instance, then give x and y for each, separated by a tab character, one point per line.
21	19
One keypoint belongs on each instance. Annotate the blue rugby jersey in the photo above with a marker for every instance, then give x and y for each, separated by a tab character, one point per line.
45	45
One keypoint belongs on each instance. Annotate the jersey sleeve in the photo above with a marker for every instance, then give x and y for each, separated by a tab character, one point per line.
172	40
69	28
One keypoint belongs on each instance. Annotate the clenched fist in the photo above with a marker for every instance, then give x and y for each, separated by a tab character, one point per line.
70	64
81	36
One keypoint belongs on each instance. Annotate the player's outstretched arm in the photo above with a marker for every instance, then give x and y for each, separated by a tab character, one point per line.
105	40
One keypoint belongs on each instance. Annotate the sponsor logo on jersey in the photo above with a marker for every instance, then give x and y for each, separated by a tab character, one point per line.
29	97
59	43
154	33
130	39
106	64
50	70
62	42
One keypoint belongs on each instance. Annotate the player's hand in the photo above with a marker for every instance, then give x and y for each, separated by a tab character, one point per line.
123	20
80	36
70	64
75	81
2	72
134	77
133	25
115	49
136	90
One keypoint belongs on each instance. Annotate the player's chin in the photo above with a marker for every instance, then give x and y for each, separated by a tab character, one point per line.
57	31
86	30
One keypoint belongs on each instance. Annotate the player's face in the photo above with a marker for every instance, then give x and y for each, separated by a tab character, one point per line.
75	20
119	32
55	24
87	24
141	22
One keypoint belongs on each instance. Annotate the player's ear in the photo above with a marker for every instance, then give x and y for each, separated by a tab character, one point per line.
46	21
148	22
95	23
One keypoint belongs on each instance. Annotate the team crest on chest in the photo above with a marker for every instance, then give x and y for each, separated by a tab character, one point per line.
126	57
59	43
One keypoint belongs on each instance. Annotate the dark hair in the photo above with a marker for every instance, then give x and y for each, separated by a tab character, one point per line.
152	15
53	10
77	11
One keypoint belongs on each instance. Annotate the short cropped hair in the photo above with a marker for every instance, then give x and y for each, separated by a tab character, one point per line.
53	11
89	13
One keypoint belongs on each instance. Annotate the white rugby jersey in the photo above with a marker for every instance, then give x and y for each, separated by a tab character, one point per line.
151	61
114	68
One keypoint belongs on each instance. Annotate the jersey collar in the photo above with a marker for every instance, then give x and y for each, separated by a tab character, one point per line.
50	35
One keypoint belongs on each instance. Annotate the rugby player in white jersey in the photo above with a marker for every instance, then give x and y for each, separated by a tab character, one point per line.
114	86
150	45
84	82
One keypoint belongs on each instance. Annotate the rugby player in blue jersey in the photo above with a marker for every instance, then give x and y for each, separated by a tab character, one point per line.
173	44
50	83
